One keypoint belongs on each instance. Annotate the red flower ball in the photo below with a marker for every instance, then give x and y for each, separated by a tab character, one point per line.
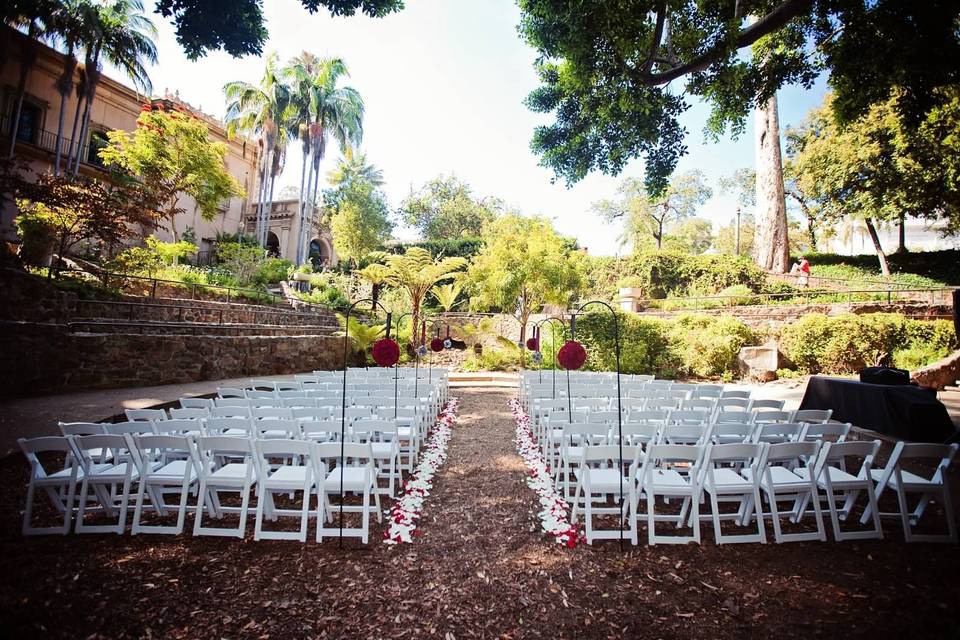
436	344
533	344
571	355
386	352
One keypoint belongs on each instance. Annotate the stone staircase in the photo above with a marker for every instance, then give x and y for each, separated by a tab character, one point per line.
489	379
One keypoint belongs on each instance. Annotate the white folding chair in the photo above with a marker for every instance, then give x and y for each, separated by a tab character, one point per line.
133	427
312	413
145	415
189	414
178	471
285	478
904	482
765	416
662	475
774	405
779	482
110	482
355	473
599	476
384	439
197	403
59	485
832	476
778	432
322	430
231	412
276	428
229	427
826	432
713	391
734	393
812	415
229	392
270	413
232	402
723	477
573	439
733	404
81	428
226	464
178	427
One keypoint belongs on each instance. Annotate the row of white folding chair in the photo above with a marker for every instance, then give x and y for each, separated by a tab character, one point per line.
727	472
205	466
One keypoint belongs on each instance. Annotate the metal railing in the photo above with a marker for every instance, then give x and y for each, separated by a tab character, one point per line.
47	141
232	293
933	295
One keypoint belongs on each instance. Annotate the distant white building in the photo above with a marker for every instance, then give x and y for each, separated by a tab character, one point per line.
854	239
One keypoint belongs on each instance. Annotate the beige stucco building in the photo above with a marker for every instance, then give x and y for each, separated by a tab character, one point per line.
284	230
116	106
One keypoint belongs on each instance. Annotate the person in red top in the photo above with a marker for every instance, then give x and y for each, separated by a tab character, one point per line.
802	270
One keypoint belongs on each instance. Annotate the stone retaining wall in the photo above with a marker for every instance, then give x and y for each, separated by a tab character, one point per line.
942	373
46	358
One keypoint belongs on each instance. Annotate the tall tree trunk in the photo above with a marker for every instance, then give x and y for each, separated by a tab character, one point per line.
881	256
28	58
73	146
172	217
771	246
84	123
902	240
93	80
266	226
64	88
298	255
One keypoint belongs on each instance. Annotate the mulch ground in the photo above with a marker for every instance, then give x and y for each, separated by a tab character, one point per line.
481	568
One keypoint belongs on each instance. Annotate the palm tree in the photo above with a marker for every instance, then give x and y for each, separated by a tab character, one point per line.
354	168
68	26
258	110
36	18
417	272
331	110
376	275
122	35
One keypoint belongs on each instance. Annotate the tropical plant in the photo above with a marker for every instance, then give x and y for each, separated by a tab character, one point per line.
119	33
361	336
258	110
416	272
320	109
446	295
171	154
377	275
359	222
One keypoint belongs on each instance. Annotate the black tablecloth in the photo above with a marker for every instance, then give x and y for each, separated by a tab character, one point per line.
903	411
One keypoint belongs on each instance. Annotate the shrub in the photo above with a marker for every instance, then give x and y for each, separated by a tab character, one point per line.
847	343
738	294
327	297
271	271
708	345
492	360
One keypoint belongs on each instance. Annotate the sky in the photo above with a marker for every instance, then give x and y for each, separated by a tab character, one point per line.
444	82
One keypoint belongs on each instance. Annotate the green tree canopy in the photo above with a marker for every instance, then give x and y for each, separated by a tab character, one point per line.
237	26
172	155
523	265
651	217
358	220
605	68
880	167
445	208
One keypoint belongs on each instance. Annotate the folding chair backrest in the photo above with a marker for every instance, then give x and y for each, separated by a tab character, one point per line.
611	453
708	391
286	385
649	416
132	427
217	426
657	453
727	432
286	395
189	414
360	454
312	413
689	416
256	394
733	404
733	393
46	444
772	416
638	433
209	447
277	428
160	446
734	417
81	428
585	433
812	415
791	451
196	403
663	403
117	444
232	402
778	432
943	453
838	452
735	452
703	404
145	415
602	417
684	434
177	426
375	430
230	392
272	413
591	404
231	412
776	405
322	429
827	431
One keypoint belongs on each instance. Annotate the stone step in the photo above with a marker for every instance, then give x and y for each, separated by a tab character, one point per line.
494	379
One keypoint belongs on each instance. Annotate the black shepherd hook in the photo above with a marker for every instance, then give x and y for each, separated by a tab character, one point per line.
553	342
396	366
343	411
616	340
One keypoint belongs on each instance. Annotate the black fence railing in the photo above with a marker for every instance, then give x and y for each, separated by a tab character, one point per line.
47	141
931	296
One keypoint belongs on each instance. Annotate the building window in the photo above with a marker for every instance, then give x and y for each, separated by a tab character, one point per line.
98	140
29	126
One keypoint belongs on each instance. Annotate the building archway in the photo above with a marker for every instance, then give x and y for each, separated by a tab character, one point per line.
273	245
319	253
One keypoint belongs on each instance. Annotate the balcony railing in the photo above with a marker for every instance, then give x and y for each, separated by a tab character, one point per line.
47	141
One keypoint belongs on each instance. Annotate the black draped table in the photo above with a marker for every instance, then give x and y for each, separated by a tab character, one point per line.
906	412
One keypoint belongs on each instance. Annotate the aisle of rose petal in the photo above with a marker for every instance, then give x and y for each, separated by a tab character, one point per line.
554	513
409	507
